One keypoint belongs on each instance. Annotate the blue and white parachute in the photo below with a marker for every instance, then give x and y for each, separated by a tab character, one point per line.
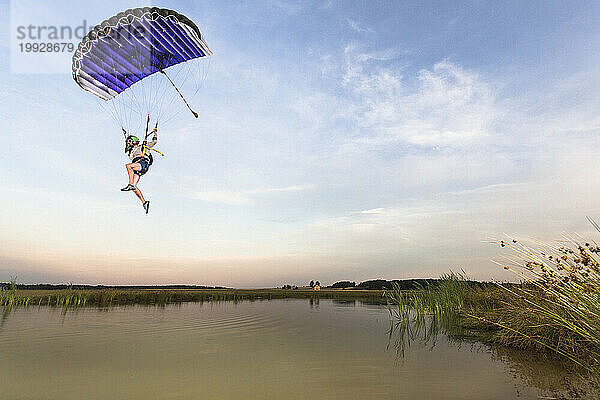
125	60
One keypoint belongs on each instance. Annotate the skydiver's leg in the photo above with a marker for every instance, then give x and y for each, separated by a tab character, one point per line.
130	168
138	192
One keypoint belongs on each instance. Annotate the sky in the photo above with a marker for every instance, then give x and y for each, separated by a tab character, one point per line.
337	140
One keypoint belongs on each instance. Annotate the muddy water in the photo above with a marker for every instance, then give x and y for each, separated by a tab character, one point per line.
279	349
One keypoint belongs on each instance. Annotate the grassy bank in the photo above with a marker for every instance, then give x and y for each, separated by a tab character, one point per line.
110	297
556	308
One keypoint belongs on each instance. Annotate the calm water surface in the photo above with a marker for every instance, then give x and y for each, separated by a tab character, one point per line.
278	349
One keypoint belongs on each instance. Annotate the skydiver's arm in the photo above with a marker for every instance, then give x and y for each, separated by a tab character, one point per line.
151	143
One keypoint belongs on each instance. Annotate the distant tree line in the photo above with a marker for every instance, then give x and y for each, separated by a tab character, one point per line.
381	284
404	284
343	285
287	287
47	286
375	284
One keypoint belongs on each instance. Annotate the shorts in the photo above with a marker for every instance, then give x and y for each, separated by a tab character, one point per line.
143	161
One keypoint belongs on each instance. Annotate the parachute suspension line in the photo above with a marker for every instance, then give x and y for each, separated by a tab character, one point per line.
147	124
183	98
163	87
182	73
110	109
158	98
203	74
145	137
117	108
169	100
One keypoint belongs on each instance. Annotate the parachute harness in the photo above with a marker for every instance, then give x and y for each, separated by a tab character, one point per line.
144	147
145	142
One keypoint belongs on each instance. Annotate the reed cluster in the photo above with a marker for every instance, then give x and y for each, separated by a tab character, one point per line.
420	315
112	297
558	305
9	297
555	307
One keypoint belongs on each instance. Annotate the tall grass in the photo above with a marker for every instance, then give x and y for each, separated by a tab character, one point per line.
443	299
424	313
110	297
556	307
9	297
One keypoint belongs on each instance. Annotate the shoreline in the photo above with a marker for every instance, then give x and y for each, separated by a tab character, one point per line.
108	297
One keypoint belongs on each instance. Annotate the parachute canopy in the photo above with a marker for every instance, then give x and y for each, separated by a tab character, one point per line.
133	45
118	59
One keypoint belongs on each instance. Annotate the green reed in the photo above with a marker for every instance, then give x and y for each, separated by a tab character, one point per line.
556	307
444	298
421	314
71	297
10	298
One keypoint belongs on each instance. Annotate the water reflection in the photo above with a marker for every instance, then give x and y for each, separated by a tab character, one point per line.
296	348
554	378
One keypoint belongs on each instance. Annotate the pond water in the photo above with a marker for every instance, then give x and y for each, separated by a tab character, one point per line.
291	349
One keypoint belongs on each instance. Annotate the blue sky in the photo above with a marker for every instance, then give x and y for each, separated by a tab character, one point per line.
337	140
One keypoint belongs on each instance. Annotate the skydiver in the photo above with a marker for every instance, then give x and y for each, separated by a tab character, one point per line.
140	162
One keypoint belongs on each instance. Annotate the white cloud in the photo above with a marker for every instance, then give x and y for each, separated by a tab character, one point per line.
355	26
293	188
240	198
450	106
372	211
377	103
223	197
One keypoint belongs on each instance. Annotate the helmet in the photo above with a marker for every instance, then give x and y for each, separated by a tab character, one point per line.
133	138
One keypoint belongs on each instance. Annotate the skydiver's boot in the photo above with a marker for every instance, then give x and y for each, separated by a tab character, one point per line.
128	188
146	206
